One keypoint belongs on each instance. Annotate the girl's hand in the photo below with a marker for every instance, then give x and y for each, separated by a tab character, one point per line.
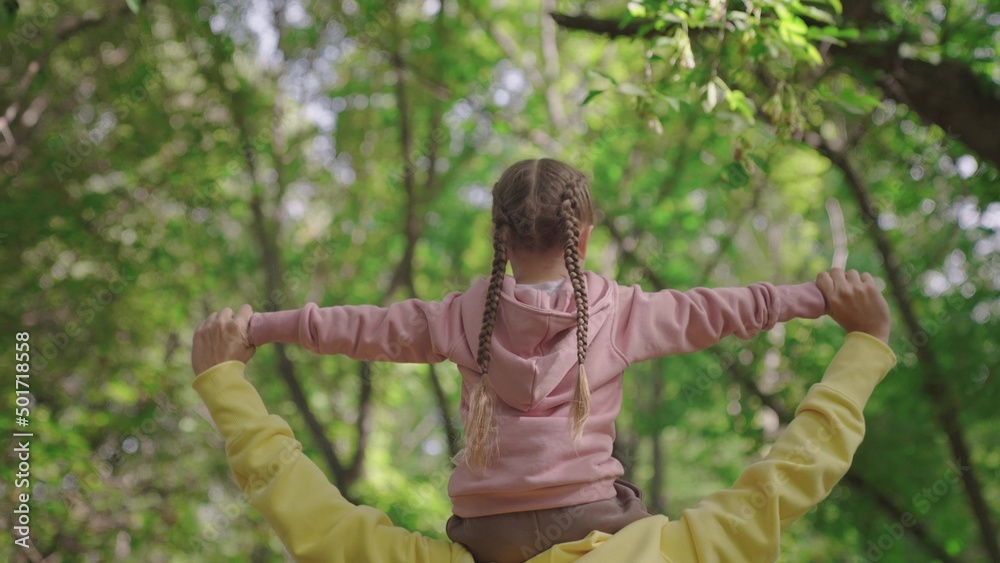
244	325
220	338
855	302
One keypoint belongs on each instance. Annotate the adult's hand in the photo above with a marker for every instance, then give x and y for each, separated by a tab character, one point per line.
855	302
220	338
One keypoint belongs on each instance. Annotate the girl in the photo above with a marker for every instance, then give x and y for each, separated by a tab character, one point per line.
541	358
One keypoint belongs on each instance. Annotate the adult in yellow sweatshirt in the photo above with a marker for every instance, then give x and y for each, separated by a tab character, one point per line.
739	524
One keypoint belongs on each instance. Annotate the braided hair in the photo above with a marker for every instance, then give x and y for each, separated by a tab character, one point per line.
538	205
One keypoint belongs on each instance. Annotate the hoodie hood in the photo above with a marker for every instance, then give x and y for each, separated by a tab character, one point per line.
534	337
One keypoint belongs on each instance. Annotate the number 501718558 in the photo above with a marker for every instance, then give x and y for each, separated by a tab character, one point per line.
22	369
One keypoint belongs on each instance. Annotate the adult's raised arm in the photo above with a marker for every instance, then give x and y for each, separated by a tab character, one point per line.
744	523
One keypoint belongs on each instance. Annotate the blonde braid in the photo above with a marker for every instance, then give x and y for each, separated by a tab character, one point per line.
482	432
569	217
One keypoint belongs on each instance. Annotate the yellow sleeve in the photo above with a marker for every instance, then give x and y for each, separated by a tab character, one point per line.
744	522
312	518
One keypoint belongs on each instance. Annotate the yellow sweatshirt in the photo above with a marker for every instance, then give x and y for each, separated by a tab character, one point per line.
742	523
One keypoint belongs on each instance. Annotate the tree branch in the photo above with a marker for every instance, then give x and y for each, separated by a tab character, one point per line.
363	425
412	225
273	278
730	237
506	44
87	22
745	379
619	238
68	30
450	432
613	29
550	54
969	109
918	530
948	94
436	131
286	370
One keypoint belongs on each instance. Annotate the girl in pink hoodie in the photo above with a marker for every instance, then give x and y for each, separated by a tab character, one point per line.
541	360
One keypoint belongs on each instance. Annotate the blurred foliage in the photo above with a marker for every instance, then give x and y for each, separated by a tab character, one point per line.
163	160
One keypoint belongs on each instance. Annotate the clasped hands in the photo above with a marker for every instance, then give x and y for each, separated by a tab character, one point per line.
222	337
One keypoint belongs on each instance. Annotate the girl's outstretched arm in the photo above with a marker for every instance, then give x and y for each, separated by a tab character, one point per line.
668	322
411	331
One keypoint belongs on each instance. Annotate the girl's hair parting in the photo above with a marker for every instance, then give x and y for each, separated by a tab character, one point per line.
538	205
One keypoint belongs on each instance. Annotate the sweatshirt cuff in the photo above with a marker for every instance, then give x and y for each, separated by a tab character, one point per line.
800	301
279	326
231	399
859	366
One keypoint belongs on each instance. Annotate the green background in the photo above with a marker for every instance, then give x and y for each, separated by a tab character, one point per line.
161	160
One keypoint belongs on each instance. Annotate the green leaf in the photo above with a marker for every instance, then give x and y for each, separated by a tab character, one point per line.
591	95
814	13
604	75
671	18
736	175
684	48
831	34
121	392
630	89
671	101
711	96
854	102
739	103
812	54
133	5
739	19
697	15
761	163
691	223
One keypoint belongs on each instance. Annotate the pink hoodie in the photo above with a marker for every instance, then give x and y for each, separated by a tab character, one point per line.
533	369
